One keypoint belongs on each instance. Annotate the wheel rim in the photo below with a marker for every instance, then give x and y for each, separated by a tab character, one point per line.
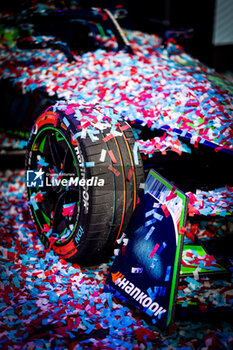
57	213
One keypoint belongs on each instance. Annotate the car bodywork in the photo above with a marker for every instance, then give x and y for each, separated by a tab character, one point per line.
157	86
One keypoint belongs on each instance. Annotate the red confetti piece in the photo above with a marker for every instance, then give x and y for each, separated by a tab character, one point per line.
69	110
68	211
50	272
113	170
182	230
107	138
154	250
45	229
110	152
124	127
165	210
39	197
130	174
172	194
52	240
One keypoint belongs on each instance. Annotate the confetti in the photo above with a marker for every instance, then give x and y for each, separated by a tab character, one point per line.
215	202
103	155
167	274
113	170
113	159
47	302
149	233
154	250
130	174
170	90
88	164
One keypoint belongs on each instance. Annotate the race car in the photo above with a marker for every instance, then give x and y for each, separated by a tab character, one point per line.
111	104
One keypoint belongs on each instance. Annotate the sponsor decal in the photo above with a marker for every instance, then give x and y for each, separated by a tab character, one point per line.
137	294
79	234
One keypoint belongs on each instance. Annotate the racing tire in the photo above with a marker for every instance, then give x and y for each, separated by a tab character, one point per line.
81	222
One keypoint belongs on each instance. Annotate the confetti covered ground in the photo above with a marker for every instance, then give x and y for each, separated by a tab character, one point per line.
48	303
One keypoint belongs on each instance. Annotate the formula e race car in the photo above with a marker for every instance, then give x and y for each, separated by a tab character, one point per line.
112	103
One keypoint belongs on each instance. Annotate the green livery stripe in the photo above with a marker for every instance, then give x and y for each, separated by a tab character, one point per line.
179	243
41	147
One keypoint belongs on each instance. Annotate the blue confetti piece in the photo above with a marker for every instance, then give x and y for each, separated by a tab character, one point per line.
53	297
16	282
90	329
157	216
149	213
33	203
167	274
148	235
66	122
193	281
161	248
151	293
149	312
150	222
88	164
42	162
